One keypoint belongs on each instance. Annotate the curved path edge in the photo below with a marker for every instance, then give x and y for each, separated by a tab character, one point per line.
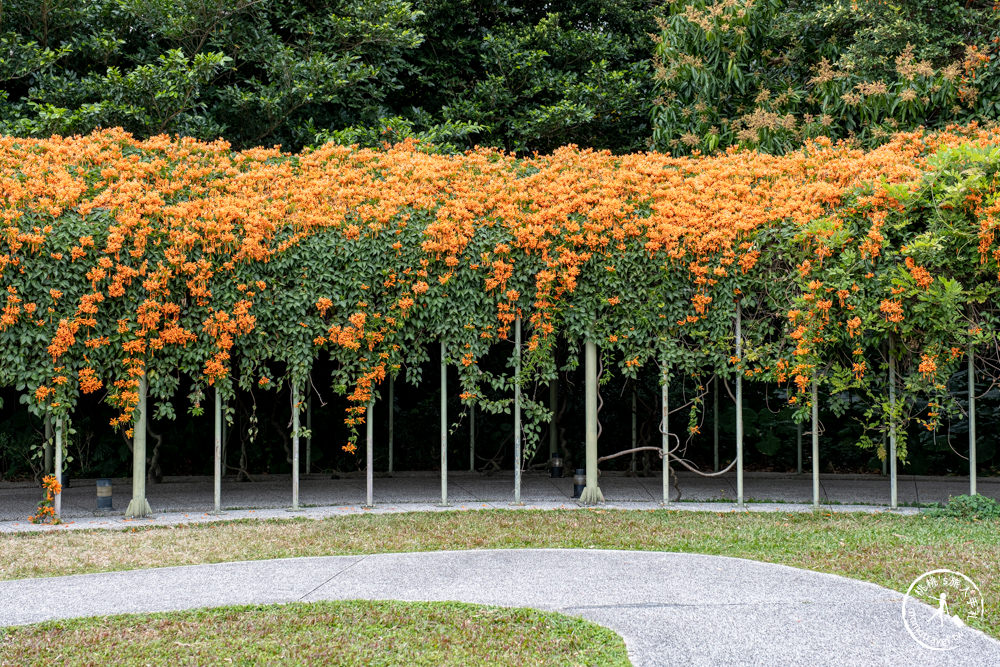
670	608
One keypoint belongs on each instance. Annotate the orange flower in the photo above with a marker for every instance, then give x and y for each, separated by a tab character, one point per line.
928	365
893	310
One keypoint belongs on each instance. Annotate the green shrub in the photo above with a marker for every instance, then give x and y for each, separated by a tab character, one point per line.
977	507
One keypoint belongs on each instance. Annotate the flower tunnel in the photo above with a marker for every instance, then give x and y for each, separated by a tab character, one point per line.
138	271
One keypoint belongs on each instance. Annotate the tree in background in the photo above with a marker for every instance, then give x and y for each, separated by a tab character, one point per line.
767	74
535	76
253	71
456	72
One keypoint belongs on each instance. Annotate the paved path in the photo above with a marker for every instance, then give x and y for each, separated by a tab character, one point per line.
193	496
118	522
671	609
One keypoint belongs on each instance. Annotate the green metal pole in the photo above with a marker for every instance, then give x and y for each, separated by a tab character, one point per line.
370	455
472	438
972	422
634	430
739	412
893	487
223	427
815	441
798	443
444	430
139	507
884	473
48	444
715	422
309	426
554	407
392	414
295	447
57	502
217	473
592	492
665	432
517	411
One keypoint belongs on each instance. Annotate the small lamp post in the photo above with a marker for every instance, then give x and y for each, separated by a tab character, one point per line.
104	494
556	469
579	482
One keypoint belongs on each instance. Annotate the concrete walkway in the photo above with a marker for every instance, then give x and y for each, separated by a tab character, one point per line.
671	609
187	500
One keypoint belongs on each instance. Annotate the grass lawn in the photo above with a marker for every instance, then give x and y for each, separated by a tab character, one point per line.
341	633
886	549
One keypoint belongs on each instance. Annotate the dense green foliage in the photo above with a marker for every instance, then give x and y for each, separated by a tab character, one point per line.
518	75
767	74
512	74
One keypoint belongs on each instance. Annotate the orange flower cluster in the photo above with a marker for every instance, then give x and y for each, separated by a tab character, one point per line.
928	365
150	248
46	512
921	275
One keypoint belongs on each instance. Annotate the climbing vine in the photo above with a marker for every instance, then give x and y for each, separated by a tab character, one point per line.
175	259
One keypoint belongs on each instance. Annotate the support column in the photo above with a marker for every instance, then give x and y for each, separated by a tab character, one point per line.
517	412
665	432
57	501
295	448
554	408
139	507
217	473
798	447
972	422
472	438
715	423
392	414
47	465
444	430
893	494
634	430
223	428
592	492
815	441
884	473
739	411
309	427
370	455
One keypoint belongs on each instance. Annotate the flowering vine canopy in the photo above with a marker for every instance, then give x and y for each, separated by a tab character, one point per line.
176	259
